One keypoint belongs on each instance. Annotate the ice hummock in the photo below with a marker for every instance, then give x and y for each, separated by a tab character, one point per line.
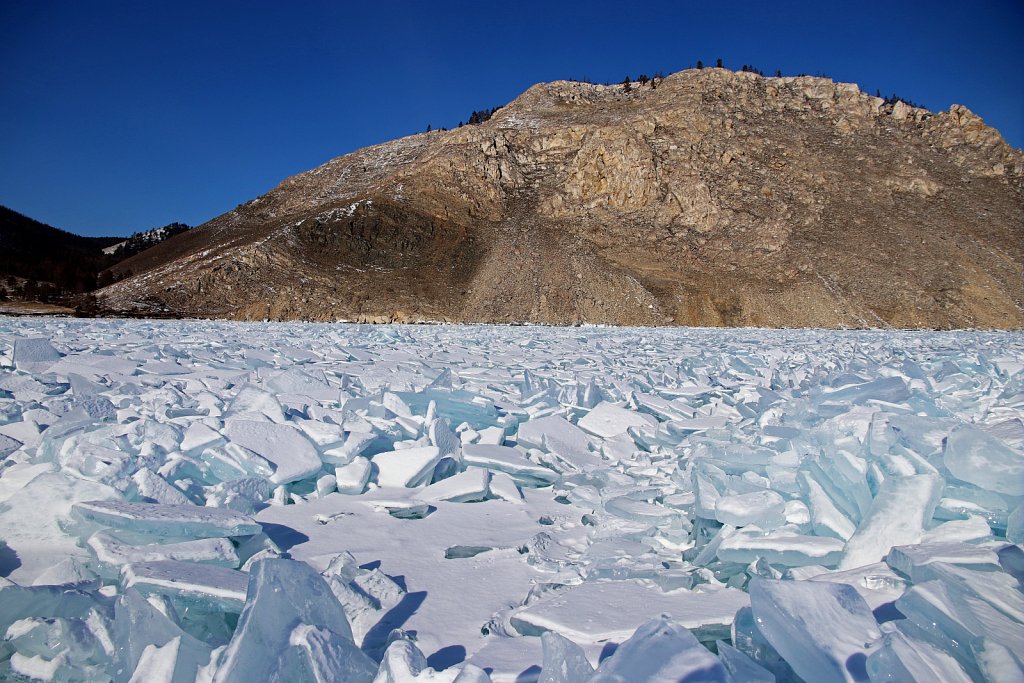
508	504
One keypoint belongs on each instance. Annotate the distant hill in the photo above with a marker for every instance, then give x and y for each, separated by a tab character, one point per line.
39	262
705	198
141	241
33	252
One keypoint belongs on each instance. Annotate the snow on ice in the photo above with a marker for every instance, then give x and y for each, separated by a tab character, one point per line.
287	502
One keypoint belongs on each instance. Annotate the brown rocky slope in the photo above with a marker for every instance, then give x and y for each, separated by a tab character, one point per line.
716	198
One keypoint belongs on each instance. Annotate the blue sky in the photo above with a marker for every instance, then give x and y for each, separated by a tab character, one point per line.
121	116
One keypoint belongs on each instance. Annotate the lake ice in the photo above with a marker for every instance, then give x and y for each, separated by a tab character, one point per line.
193	500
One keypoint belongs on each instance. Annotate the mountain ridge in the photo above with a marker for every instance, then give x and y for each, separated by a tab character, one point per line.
707	198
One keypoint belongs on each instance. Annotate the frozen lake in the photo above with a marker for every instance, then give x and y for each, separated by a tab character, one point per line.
245	501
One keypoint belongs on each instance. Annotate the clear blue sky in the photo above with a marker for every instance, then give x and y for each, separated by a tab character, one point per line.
121	116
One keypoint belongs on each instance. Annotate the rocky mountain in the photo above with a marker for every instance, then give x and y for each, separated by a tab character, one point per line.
705	198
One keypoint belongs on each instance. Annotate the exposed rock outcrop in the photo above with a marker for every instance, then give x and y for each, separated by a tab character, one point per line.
716	198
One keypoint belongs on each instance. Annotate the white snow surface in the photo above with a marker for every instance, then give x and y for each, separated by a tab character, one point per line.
197	500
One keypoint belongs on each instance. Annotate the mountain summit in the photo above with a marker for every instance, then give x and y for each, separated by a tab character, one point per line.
705	198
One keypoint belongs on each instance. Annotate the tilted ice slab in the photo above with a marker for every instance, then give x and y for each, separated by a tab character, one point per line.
290	454
192	583
555	433
766	509
741	666
607	420
913	560
36	516
408	467
878	583
597	612
151	645
112	551
286	601
661	650
948	616
782	547
824	630
466	487
901	658
510	461
898	516
981	459
168	520
34	354
564	660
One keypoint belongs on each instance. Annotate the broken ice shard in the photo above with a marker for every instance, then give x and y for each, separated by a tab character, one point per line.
408	467
781	546
824	631
897	516
292	456
765	509
282	596
510	461
564	661
975	456
661	650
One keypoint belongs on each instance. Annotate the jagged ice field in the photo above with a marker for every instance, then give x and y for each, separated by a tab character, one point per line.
198	500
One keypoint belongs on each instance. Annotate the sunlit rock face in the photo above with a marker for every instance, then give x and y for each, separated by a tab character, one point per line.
708	197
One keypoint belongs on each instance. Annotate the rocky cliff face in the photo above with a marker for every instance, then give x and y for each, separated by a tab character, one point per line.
716	198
